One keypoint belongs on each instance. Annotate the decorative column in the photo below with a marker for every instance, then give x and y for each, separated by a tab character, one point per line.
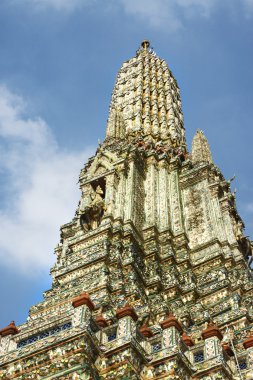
120	194
127	318
83	308
151	192
174	199
147	333
218	224
102	323
130	187
225	211
212	336
172	330
189	343
163	195
6	338
110	194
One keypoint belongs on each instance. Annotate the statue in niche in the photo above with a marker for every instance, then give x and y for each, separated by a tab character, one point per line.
91	213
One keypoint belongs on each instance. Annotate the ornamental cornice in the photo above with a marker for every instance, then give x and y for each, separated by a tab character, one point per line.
30	328
43	345
163	163
231	317
102	232
181	241
87	180
215	190
95	258
150	232
122	167
211	246
175	164
131	232
151	160
193	177
165	236
209	258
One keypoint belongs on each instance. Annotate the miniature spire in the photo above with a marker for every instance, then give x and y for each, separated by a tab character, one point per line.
200	148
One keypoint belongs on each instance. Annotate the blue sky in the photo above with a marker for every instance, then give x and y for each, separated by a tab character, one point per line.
58	63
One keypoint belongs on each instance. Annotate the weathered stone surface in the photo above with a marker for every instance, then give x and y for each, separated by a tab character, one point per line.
152	277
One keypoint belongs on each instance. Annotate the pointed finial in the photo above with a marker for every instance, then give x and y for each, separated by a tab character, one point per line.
200	148
145	44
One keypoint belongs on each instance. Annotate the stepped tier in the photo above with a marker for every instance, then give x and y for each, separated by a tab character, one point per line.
152	278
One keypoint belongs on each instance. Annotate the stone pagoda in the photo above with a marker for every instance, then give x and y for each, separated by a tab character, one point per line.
153	274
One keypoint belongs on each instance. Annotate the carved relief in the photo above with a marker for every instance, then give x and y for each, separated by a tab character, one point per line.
91	213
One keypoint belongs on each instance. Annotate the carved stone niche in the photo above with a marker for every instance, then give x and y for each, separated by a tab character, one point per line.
93	211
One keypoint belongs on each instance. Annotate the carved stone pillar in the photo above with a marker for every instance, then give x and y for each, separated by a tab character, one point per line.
127	318
171	331
134	195
225	209
212	336
188	341
175	202
6	338
120	194
219	227
129	198
110	194
163	195
151	192
83	308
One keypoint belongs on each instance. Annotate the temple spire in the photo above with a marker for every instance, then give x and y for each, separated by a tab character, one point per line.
146	99
200	148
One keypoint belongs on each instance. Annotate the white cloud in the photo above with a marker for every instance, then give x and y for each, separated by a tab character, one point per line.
38	184
248	8
171	15
201	7
168	15
157	13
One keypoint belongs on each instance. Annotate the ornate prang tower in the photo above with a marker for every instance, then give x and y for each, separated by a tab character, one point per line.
153	278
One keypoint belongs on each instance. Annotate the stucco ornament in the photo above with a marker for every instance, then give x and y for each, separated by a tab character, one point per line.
152	278
91	213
